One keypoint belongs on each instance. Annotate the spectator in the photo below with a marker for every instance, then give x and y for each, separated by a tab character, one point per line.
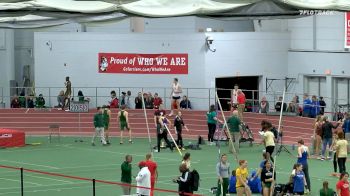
40	101
157	101
292	107
315	107
184	181
123	99
234	96
15	102
81	97
126	168
60	99
114	103
185	103
306	105
143	179
68	92
268	176
278	105
241	103
22	99
322	105
233	180
138	101
148	100
264	105
128	96
343	185
30	101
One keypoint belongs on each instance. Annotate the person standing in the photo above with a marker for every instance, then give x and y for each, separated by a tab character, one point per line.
178	124
303	155
315	107
269	139
322	105
241	103
234	126
143	180
67	93
99	127
242	179
318	135
346	129
187	160
157	101
299	180
278	105
306	106
342	152
267	178
234	94
212	120
128	96
327	135
175	95
138	101
106	119
123	117
184	181
114	103
162	132
343	185
126	174
152	167
223	173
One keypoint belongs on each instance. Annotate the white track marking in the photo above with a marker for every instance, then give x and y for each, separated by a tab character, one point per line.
29	164
37	184
53	179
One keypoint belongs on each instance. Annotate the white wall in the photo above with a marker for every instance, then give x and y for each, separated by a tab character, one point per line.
79	51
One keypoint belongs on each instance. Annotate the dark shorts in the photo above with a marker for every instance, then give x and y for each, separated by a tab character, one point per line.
124	126
176	97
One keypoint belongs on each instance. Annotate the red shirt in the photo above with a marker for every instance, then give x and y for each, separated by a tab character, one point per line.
114	103
344	188
152	167
241	98
157	101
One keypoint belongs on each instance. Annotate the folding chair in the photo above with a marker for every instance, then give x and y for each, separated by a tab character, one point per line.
54	129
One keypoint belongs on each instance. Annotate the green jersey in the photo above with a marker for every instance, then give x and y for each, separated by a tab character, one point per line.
98	120
126	172
233	123
210	117
122	117
105	117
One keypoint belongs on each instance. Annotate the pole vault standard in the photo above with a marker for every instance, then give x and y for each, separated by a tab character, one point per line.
225	125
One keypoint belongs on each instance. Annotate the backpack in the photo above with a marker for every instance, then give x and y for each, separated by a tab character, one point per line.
275	132
194	180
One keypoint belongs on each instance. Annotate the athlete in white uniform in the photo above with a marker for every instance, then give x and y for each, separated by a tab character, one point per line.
175	96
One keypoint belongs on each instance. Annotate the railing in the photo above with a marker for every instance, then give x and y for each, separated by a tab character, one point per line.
200	98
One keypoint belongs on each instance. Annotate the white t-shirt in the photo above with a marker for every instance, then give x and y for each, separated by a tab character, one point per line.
176	90
234	96
143	179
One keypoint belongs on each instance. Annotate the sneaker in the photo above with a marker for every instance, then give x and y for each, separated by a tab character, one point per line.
108	143
120	142
183	149
92	144
105	144
322	159
155	151
59	108
130	142
67	110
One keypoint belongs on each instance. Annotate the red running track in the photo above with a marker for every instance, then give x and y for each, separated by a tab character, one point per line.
36	122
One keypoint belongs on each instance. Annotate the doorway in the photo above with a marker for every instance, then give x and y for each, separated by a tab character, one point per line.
244	82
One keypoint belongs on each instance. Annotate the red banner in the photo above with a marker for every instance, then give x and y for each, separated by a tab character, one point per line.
127	63
347	30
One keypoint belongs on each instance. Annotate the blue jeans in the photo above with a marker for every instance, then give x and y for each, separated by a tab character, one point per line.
326	141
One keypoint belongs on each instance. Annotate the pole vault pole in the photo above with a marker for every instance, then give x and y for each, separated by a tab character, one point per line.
225	125
172	138
145	113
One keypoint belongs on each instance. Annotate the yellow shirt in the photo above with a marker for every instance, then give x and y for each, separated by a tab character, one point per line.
341	146
269	138
243	173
